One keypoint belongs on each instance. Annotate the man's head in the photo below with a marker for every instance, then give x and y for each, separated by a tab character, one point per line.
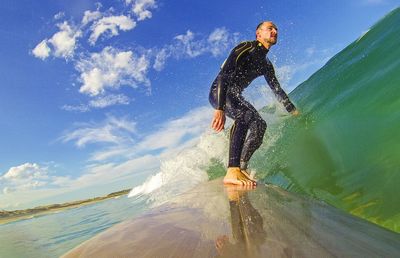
267	33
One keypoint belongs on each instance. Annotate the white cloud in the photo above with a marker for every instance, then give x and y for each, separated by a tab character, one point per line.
99	102
59	15
170	136
141	8
90	16
112	130
64	41
160	60
105	173
79	108
111	69
172	133
42	50
109	100
188	46
219	40
28	176
25	171
114	151
110	25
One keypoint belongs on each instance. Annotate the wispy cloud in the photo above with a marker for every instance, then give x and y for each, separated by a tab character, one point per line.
108	172
141	8
63	42
42	50
167	138
109	100
173	132
112	131
99	102
110	69
59	15
192	45
220	40
110	27
90	16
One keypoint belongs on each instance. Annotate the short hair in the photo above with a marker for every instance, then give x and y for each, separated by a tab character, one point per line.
259	25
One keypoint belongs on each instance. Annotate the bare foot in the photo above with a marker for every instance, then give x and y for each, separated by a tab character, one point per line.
236	177
248	176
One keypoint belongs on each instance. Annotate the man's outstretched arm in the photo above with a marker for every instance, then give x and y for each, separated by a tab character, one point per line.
278	91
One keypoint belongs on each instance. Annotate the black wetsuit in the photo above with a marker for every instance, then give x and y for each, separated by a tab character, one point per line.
246	62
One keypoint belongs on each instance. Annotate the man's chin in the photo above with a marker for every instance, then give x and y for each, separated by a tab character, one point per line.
271	41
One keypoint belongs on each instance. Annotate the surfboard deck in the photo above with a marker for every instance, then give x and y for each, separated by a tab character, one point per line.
213	220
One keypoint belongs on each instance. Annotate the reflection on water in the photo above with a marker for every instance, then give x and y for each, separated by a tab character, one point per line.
247	226
269	222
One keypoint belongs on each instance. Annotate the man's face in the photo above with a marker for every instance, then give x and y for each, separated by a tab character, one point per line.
268	33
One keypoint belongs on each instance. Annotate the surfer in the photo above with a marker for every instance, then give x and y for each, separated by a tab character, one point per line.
246	62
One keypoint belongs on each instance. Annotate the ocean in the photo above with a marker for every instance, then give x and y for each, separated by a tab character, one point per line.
343	149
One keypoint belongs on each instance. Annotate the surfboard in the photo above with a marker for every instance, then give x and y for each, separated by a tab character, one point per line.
213	220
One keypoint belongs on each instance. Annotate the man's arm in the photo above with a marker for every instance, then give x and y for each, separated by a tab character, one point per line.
278	91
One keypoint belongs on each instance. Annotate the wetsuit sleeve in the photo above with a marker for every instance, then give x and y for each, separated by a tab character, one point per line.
227	69
276	88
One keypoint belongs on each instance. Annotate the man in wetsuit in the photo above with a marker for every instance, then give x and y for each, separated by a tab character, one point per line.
246	62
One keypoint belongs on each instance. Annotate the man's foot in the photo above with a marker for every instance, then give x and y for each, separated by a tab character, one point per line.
248	175
236	177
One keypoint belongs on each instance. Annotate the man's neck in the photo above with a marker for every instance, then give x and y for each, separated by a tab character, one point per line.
266	45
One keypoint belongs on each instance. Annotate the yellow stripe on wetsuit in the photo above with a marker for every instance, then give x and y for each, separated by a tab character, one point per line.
237	58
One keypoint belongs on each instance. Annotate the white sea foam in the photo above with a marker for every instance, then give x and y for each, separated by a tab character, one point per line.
152	183
185	170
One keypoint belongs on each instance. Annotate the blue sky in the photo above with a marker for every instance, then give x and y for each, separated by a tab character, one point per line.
95	95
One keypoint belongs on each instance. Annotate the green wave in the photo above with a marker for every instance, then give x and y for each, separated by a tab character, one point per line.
345	147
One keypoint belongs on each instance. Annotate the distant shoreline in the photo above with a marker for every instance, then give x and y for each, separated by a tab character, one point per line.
11	216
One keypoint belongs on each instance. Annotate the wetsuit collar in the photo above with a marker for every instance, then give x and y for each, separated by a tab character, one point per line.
262	47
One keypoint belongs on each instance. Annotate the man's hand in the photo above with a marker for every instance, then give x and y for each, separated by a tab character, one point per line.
218	121
295	112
